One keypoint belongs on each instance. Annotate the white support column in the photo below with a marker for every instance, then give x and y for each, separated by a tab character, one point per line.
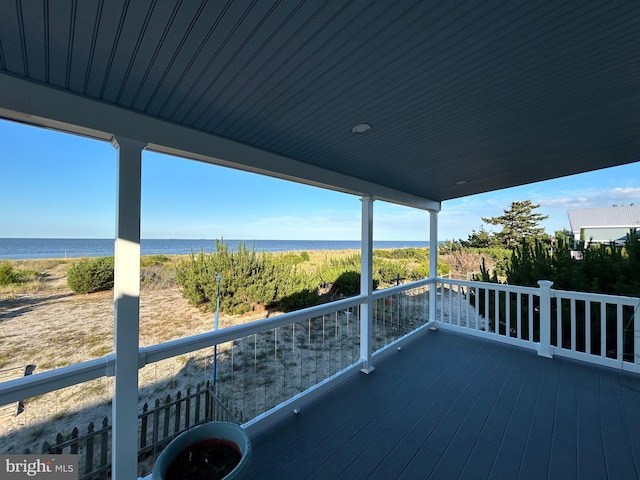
366	285
433	267
544	347
124	453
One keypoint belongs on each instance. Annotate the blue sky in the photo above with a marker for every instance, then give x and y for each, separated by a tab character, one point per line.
59	185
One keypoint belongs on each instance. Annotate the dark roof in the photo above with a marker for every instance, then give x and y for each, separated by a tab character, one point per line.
463	97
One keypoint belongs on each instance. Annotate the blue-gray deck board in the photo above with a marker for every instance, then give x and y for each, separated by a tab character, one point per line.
452	406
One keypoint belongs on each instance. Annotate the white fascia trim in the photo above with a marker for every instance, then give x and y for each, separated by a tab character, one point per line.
596	227
41	105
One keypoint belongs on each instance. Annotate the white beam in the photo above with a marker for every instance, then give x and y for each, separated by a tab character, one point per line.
40	105
433	266
124	454
366	285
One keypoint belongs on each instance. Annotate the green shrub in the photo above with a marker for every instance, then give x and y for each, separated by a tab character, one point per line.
153	260
25	275
12	276
8	276
298	300
606	269
412	254
332	268
292	258
390	272
443	269
421	271
90	276
347	284
248	278
502	257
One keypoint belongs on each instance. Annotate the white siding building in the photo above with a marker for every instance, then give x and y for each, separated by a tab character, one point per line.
604	225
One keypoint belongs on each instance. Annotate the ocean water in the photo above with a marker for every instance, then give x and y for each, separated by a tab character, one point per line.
23	248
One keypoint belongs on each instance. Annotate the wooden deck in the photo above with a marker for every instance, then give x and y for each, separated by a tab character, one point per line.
451	406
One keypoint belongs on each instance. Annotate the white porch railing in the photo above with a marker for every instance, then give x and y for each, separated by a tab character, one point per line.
273	371
398	312
268	365
595	328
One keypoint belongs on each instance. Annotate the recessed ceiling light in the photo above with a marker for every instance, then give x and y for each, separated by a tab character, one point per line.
361	128
461	182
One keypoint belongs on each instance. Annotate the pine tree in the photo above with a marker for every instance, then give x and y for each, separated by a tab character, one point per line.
519	222
481	239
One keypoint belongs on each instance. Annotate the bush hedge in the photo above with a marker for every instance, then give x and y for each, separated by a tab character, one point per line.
610	269
248	279
91	276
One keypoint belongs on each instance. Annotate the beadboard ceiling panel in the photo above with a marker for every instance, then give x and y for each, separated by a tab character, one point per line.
463	96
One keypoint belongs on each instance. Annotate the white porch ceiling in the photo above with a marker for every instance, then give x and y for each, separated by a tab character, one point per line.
493	94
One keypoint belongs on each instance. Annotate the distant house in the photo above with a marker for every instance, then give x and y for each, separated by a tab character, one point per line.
603	225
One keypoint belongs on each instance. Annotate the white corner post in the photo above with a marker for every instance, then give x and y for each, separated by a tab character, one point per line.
124	452
433	268
544	347
366	285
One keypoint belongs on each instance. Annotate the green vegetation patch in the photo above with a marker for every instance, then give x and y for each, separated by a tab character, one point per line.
248	278
288	281
154	260
8	276
93	275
